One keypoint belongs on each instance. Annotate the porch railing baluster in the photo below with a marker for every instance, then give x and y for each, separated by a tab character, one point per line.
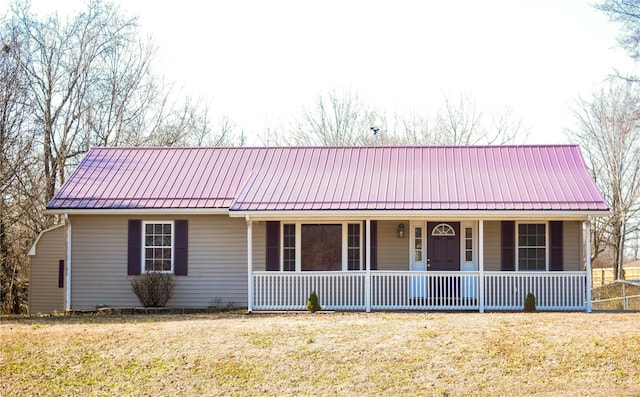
401	290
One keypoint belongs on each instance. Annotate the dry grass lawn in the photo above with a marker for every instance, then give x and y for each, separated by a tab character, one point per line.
447	354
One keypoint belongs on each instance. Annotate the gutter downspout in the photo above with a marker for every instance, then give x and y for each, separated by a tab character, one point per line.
587	254
481	266
67	222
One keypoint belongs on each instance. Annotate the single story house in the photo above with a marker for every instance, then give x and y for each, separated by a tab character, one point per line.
367	228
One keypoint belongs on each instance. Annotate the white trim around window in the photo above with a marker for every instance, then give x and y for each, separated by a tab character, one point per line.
298	242
546	243
158	251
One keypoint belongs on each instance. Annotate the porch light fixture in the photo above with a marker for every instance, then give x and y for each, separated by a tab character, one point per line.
401	230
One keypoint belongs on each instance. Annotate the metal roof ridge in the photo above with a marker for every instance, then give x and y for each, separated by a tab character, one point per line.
349	147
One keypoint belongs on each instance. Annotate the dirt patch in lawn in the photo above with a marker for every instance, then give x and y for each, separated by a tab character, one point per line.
447	354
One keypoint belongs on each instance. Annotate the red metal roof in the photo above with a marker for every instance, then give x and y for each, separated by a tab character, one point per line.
543	177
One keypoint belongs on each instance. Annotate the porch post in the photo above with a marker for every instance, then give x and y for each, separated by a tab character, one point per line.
587	253
367	281
249	264
481	265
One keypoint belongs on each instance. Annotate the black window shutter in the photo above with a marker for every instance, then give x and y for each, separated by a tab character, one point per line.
508	246
273	246
555	240
374	245
61	273
181	254
134	253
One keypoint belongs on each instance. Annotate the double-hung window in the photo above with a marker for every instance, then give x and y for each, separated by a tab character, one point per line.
158	246
289	247
532	247
354	251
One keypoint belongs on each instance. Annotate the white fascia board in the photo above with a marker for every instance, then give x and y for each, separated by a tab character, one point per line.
431	215
348	214
141	211
32	250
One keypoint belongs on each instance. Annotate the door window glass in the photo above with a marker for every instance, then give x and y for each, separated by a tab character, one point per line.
468	244
418	244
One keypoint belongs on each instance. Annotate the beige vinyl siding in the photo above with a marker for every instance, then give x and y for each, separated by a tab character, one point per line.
217	262
572	246
259	230
44	294
393	252
492	246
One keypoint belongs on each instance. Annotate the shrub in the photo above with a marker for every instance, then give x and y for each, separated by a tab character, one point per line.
313	304
530	303
153	289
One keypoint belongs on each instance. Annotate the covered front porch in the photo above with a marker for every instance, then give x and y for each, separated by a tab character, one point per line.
418	264
411	290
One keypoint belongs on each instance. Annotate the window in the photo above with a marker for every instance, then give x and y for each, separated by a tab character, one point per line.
443	230
289	247
532	246
468	244
321	247
318	247
158	246
417	256
353	246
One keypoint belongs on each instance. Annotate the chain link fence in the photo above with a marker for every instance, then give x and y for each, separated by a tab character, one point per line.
618	295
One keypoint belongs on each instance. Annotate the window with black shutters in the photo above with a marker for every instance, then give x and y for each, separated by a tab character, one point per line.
532	247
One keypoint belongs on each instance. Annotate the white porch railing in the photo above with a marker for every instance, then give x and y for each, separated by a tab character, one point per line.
552	290
408	290
424	290
289	290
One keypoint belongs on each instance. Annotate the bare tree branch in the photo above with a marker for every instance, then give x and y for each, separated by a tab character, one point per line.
609	133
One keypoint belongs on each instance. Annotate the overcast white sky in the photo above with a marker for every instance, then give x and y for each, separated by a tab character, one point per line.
260	62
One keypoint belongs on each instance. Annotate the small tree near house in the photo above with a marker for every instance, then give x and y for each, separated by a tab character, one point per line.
153	289
530	303
313	303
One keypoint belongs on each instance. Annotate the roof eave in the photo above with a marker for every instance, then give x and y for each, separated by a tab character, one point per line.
426	214
131	211
342	214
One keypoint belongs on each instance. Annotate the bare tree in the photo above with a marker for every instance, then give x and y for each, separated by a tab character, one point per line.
414	129
336	119
20	201
626	13
60	62
461	122
343	119
271	136
14	152
91	84
609	133
68	84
